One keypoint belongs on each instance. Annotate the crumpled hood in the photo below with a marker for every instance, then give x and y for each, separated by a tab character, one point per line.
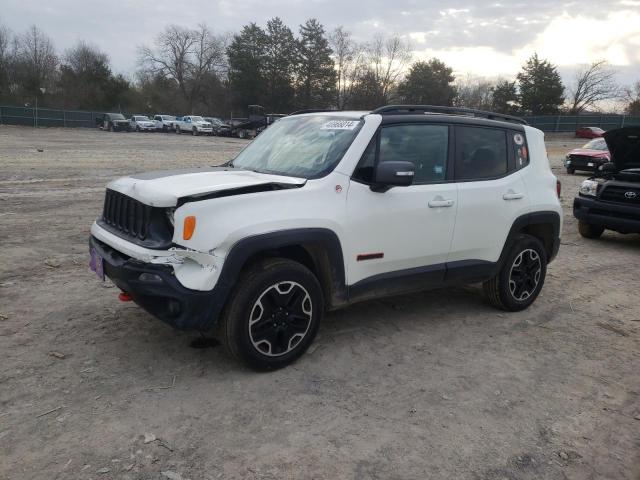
166	188
624	146
587	152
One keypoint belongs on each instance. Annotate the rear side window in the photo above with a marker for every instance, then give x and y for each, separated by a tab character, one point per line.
520	150
481	153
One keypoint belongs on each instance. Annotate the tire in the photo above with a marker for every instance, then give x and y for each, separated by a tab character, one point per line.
589	231
274	290
165	129
521	276
111	127
137	129
194	132
571	171
178	131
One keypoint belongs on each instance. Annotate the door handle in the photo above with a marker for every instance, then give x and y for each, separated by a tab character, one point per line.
440	203
512	196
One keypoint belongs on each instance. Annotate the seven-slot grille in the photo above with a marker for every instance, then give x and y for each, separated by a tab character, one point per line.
621	194
126	214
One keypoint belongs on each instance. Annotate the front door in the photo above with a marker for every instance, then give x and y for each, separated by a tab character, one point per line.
405	231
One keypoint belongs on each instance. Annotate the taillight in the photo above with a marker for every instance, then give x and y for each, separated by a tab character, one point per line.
558	187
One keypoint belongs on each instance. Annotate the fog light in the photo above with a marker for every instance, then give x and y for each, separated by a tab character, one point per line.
150	278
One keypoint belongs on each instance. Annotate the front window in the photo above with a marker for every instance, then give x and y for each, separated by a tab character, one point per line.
197	119
168	117
141	118
300	146
596	144
117	116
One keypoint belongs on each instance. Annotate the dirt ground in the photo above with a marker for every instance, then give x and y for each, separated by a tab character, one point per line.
432	385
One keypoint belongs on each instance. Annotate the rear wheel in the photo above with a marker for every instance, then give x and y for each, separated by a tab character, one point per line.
273	315
521	276
588	230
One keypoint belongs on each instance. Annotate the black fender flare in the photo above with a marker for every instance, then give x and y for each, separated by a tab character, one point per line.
528	223
322	245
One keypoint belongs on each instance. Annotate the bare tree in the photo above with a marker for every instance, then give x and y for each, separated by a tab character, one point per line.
349	58
474	92
83	58
387	59
36	61
188	57
593	83
632	99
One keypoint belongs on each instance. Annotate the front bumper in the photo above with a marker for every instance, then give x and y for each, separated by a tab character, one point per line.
146	128
159	292
613	216
583	165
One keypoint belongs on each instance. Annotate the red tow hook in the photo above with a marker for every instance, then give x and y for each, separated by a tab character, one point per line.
125	297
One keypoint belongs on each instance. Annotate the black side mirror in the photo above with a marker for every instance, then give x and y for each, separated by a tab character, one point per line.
392	174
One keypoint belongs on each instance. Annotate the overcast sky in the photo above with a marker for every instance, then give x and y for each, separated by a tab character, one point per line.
483	38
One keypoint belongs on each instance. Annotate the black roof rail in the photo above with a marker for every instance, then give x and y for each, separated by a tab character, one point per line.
311	110
417	109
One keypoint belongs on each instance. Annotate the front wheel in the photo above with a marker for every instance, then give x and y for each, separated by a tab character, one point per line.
194	132
178	131
273	315
521	276
590	231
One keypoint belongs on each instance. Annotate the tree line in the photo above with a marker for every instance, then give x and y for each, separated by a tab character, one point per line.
195	70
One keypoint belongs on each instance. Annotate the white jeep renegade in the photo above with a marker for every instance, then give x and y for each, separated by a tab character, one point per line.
325	209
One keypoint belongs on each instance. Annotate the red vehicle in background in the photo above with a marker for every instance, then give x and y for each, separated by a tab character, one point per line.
589	132
588	158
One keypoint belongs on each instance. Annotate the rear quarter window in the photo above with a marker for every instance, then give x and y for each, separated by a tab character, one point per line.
481	153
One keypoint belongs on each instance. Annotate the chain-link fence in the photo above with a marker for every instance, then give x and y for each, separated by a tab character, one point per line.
47	117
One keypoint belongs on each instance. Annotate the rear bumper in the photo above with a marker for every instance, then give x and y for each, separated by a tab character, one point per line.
159	292
583	165
621	218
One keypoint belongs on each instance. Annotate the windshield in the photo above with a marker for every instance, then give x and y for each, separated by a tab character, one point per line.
197	119
307	146
116	116
167	117
596	144
141	118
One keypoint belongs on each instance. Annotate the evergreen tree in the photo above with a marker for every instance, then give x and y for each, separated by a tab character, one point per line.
505	97
429	83
246	56
279	64
316	80
541	90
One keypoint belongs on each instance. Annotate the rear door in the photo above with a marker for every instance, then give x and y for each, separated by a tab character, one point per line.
491	192
405	229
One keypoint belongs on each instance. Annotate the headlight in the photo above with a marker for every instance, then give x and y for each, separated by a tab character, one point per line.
589	187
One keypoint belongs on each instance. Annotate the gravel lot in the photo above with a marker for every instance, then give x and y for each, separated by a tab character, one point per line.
433	385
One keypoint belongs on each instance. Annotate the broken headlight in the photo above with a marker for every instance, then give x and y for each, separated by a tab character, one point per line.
589	188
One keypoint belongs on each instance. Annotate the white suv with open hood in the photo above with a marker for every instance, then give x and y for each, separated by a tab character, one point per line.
325	209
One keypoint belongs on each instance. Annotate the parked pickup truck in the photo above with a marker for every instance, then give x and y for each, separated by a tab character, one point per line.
193	124
326	209
141	123
610	200
165	123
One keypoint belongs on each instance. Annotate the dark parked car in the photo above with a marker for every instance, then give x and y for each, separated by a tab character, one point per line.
611	198
115	122
590	157
220	128
589	132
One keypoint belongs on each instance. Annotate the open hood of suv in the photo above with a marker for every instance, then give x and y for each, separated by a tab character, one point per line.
166	188
624	146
